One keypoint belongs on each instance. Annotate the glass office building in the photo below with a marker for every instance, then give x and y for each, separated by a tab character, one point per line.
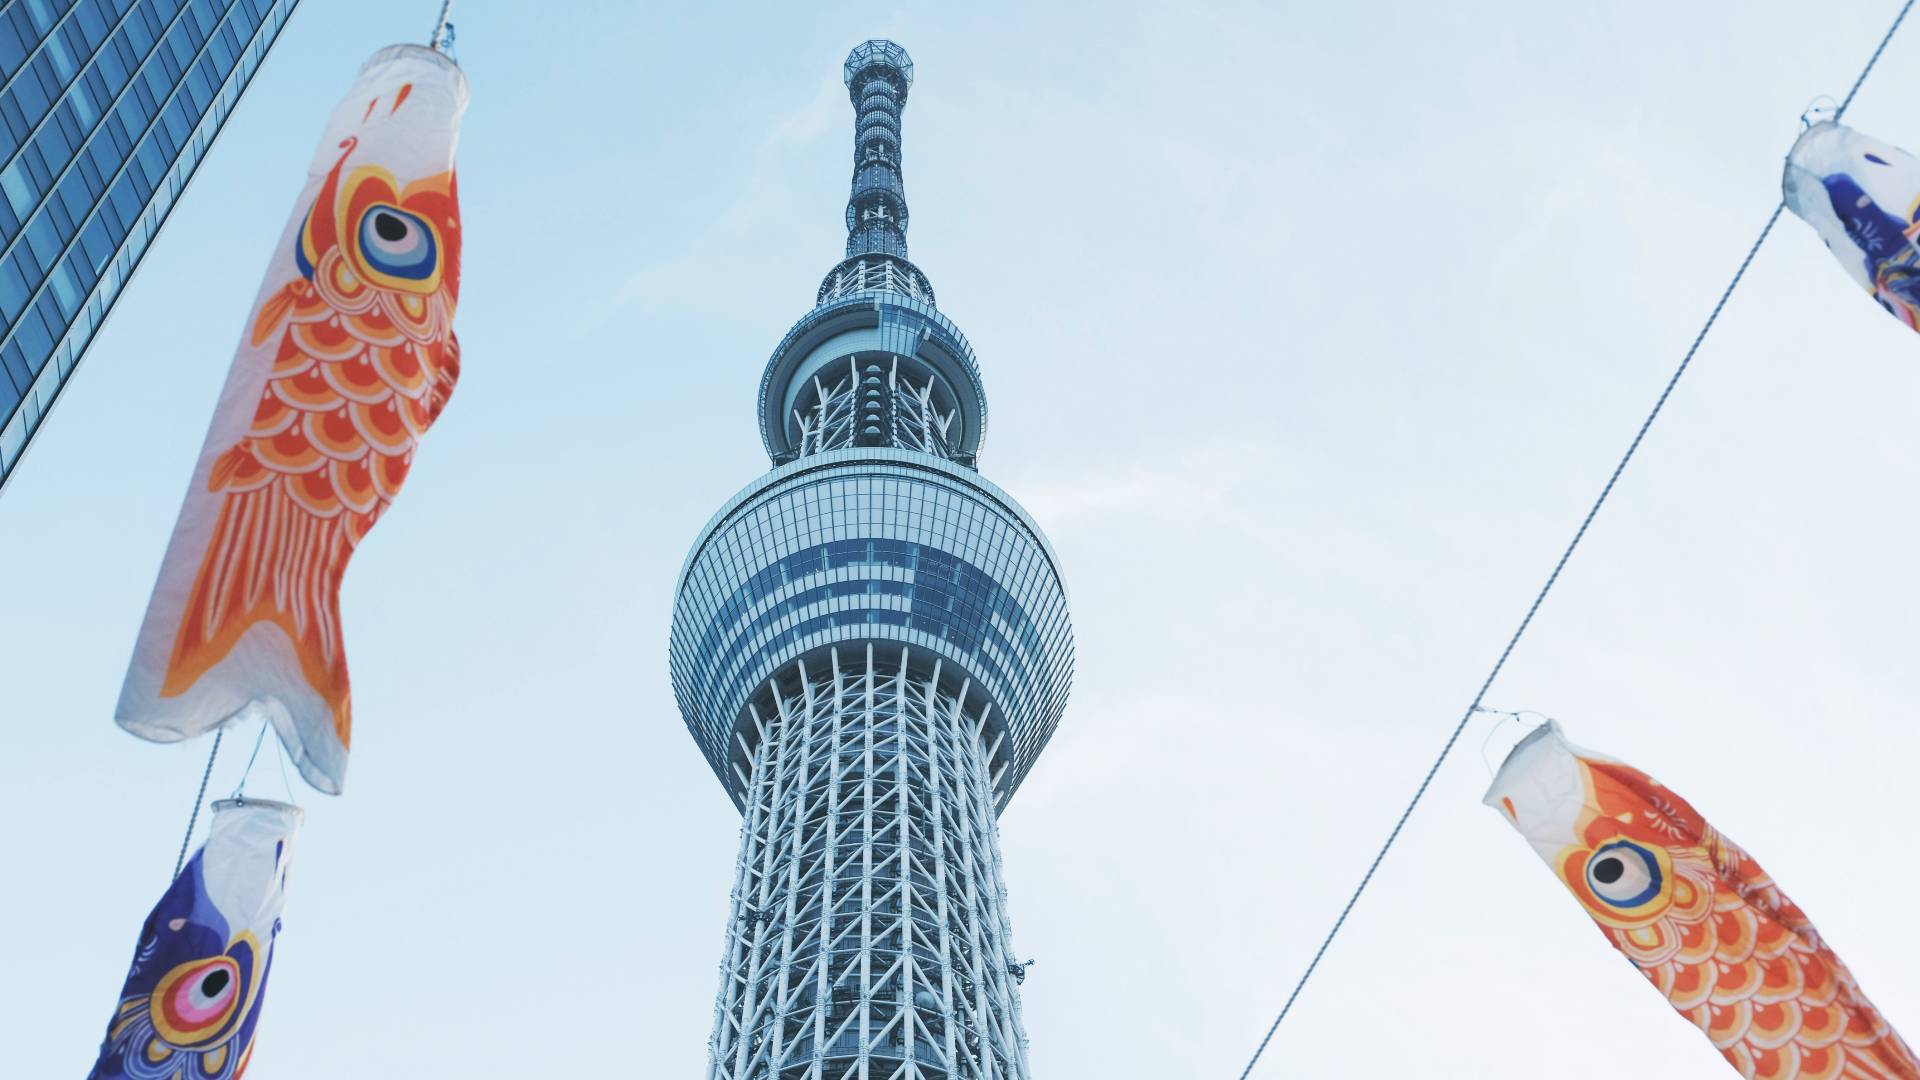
107	107
871	646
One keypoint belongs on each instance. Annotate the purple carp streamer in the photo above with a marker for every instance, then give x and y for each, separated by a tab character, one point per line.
190	1008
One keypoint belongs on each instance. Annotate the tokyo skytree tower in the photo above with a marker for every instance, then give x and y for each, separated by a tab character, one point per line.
871	645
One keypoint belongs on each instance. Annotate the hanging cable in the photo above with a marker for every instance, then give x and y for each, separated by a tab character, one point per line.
194	818
442	29
1552	578
241	787
280	758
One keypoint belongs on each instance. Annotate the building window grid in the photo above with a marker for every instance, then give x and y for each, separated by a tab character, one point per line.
51	205
141	219
54	109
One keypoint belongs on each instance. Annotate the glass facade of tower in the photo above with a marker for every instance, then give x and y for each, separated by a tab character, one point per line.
106	108
883	545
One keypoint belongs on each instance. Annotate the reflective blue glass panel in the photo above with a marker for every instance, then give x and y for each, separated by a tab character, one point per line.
882	545
106	109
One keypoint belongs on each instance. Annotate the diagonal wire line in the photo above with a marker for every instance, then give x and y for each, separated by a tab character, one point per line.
1540	597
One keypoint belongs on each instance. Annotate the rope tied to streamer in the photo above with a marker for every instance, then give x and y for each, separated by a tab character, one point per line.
442	38
198	800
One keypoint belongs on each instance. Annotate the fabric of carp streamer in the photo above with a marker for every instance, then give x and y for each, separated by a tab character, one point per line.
1697	916
346	360
1863	197
190	1009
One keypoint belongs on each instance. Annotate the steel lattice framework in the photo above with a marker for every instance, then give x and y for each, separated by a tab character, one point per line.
871	646
869	935
873	406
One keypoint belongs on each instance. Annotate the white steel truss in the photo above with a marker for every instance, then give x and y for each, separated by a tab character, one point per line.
876	273
868	938
882	408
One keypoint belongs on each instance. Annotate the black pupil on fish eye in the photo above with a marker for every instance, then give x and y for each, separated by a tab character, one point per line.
390	228
215	982
1608	870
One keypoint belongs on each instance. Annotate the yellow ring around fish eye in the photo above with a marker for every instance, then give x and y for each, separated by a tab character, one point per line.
396	249
1623	883
192	1004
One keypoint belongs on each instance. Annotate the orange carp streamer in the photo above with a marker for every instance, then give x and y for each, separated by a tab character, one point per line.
348	359
1697	916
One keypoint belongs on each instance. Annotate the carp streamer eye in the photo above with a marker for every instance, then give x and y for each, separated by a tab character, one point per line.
194	1001
396	244
1624	875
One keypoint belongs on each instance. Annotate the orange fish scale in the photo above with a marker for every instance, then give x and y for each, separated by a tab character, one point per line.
238	470
1728	1023
1736	982
356	380
1692	896
308	305
326	340
418	319
1820	1025
1778	1063
1652	944
402	370
1822	987
1822	1063
1691	986
314	492
1738	931
389	472
1774	940
287	452
380	425
353	483
333	434
290	360
417	415
374	328
1661	976
1864	1027
272	417
357	526
307	391
1774	1025
1780	980
1697	944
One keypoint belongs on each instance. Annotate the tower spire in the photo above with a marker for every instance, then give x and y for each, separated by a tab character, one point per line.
878	75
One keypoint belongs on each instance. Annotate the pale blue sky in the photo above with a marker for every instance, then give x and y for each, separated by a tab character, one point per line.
1310	331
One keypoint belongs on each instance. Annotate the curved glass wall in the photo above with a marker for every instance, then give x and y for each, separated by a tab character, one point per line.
872	544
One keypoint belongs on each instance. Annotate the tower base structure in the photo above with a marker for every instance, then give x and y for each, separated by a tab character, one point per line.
868	936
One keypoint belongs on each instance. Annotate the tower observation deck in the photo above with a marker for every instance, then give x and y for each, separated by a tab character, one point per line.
871	646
